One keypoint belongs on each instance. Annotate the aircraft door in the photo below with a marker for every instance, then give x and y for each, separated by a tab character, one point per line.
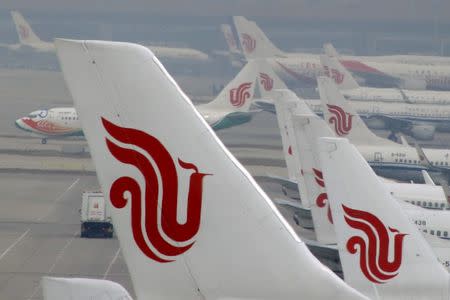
378	157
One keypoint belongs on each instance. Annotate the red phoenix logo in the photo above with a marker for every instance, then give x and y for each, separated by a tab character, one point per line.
374	257
342	121
24	32
334	74
145	209
266	81
322	198
239	95
248	43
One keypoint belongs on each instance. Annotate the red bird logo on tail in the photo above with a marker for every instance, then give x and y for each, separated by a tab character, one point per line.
239	95
266	81
322	198
376	263
341	120
23	31
248	43
146	213
334	74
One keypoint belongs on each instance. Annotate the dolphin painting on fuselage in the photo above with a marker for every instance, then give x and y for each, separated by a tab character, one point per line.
55	122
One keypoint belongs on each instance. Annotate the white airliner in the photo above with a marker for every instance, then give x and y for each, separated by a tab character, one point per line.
28	39
227	240
230	108
419	113
385	156
376	70
303	130
382	252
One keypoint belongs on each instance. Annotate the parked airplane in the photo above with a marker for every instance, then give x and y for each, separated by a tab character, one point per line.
304	128
301	136
230	108
382	253
386	157
28	39
376	70
140	154
419	113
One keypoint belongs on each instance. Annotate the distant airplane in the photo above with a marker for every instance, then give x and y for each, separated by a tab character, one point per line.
28	39
402	160
376	70
154	152
419	113
230	108
383	254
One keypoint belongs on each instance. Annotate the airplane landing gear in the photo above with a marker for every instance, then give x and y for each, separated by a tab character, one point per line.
44	141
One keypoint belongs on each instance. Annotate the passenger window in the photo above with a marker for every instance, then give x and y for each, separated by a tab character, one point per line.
430	204
438	233
413	202
432	232
425	230
424	204
409	161
436	204
445	233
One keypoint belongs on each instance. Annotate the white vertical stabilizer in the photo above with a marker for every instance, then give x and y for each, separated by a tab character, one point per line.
238	94
343	119
230	39
334	69
383	254
254	42
24	31
192	222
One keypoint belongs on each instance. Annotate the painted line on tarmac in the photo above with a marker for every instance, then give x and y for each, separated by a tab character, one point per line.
61	196
111	263
15	243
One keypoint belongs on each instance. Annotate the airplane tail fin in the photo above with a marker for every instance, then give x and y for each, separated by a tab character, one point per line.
268	80
285	102
307	129
238	94
82	289
335	70
329	50
230	39
253	40
300	128
26	34
382	253
342	118
185	210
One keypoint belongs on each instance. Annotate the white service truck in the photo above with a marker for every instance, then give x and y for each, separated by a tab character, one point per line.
95	217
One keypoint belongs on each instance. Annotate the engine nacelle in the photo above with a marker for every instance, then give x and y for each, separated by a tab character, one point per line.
375	123
423	131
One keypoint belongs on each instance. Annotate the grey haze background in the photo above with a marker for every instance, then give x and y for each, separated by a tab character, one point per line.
362	27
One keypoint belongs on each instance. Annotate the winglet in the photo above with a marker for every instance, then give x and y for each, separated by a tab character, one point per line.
427	178
147	140
383	254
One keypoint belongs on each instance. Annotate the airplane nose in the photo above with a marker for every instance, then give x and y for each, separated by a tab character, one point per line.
18	123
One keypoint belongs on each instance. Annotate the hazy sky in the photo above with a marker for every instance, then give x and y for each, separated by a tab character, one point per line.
351	10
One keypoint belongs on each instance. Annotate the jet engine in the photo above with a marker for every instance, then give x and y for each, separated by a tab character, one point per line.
423	131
